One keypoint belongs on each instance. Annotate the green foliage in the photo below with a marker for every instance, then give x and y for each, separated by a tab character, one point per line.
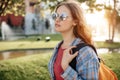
54	37
100	44
12	6
25	68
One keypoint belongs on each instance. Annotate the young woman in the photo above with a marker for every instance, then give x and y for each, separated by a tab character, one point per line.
69	21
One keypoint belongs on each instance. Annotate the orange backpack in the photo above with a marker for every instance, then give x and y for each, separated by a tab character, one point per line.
105	73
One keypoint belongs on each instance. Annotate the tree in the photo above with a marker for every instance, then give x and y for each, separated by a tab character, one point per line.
12	6
52	3
111	16
18	6
3	5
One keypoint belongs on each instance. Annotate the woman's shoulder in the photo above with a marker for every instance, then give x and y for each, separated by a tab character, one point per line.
87	52
87	49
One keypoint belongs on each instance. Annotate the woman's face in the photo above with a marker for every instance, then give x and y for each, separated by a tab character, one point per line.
64	25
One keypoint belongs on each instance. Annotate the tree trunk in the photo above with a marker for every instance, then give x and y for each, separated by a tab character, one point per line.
114	24
114	20
3	6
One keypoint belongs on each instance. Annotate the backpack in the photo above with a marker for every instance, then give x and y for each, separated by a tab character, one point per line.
105	73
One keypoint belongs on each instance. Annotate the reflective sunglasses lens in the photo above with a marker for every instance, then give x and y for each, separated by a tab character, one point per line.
54	16
63	16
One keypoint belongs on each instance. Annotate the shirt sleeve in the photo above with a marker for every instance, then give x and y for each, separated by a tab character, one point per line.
86	68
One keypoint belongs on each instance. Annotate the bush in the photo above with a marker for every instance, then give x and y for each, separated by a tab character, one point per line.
32	67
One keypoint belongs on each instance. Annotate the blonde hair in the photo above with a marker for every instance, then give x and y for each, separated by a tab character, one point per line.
80	30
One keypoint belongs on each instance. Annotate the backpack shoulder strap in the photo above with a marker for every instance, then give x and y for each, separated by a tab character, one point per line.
79	46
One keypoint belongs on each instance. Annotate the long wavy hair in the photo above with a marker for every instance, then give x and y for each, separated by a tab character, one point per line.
81	29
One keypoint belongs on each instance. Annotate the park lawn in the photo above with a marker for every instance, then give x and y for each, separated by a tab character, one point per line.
12	45
101	44
41	37
32	41
34	67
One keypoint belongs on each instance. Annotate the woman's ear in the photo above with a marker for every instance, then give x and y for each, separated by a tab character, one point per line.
75	23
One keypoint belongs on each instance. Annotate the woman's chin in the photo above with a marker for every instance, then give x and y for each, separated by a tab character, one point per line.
56	29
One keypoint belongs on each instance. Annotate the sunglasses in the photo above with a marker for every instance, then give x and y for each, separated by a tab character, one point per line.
62	16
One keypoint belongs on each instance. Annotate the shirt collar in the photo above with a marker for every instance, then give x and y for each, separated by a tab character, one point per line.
75	42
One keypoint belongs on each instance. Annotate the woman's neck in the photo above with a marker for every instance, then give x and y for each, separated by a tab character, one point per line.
67	40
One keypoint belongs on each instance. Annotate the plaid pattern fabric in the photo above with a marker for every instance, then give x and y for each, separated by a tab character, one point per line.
86	68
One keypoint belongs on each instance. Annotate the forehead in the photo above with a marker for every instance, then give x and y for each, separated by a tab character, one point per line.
62	9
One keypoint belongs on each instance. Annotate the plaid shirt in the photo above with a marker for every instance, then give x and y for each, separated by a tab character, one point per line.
87	65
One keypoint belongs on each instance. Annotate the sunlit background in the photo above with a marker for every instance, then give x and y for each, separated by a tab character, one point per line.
103	17
99	21
27	35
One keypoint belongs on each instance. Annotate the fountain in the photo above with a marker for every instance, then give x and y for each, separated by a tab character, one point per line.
7	33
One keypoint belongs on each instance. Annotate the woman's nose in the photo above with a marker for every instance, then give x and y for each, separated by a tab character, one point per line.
57	19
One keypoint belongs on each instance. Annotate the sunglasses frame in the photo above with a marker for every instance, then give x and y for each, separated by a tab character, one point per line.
62	16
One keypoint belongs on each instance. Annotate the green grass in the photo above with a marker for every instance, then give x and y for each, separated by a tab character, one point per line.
100	44
34	67
54	37
31	42
9	45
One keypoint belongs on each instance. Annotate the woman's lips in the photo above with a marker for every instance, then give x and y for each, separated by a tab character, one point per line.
57	25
